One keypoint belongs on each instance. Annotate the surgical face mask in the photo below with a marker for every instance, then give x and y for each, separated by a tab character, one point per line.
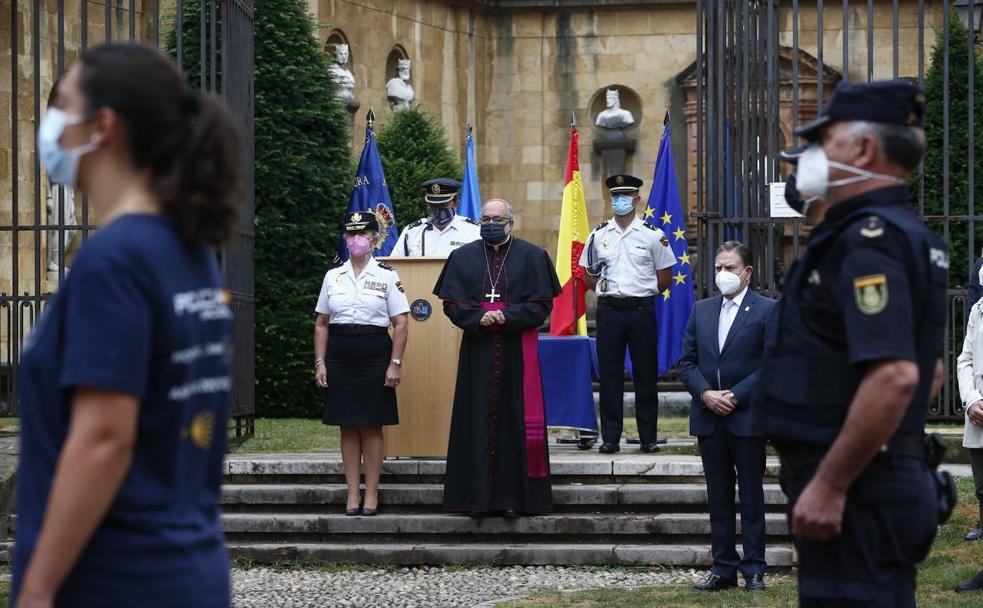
61	165
813	173
441	216
794	198
727	282
622	204
493	234
358	244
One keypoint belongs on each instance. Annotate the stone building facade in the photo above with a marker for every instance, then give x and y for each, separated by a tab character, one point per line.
520	69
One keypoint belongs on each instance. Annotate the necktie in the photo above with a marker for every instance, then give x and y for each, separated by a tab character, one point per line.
726	320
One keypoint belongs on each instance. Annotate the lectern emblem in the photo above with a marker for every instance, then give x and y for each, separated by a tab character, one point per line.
421	310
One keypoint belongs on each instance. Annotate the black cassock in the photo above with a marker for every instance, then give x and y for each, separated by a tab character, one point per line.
494	462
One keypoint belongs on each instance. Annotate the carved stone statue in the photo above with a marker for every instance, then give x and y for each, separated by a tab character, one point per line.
342	76
614	116
398	89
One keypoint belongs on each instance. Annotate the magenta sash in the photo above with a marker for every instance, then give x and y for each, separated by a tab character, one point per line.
534	414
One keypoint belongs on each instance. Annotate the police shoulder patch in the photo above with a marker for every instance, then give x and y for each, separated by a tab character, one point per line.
664	240
870	293
399	286
385	266
872	227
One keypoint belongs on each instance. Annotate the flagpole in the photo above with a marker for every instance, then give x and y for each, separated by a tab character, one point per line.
576	281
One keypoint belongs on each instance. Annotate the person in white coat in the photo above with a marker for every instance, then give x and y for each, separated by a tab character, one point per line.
970	372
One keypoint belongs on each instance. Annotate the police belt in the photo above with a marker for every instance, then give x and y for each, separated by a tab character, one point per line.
797	455
624	303
339	329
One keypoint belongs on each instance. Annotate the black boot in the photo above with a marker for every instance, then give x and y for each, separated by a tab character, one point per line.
977	532
973	584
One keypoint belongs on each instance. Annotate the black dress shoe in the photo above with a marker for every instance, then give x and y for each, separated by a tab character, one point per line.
974	584
650	448
366	512
716	583
755	582
609	448
353	512
974	534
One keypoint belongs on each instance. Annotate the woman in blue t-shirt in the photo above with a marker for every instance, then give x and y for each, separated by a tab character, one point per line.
125	380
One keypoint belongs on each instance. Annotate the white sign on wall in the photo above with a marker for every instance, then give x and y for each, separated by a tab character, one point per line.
779	208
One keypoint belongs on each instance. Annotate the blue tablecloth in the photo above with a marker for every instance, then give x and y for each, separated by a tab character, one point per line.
569	365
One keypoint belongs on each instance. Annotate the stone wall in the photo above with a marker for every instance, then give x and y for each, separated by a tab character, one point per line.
521	74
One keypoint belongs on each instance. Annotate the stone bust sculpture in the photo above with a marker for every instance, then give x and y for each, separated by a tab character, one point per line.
341	75
614	116
398	89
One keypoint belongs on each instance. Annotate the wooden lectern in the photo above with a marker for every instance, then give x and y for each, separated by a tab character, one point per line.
426	392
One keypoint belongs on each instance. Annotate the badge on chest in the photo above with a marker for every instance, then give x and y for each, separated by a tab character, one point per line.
376	286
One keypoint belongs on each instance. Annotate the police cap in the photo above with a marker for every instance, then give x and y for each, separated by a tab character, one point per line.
892	102
791	155
441	190
623	184
357	221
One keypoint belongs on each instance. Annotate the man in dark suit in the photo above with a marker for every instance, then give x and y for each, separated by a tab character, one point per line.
725	340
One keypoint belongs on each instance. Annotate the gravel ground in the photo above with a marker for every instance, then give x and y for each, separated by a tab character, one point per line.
433	587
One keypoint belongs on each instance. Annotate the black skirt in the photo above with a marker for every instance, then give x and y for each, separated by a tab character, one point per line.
356	362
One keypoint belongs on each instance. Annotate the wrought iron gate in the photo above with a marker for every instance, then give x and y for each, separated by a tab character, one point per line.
41	226
764	66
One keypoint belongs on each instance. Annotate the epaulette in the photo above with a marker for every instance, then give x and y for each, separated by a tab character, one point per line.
650	226
472	221
872	227
385	266
601	225
419	222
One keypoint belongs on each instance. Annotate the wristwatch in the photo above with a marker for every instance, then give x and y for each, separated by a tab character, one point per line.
733	399
398	361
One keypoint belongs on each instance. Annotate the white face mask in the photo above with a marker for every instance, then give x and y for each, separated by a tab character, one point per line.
812	173
727	282
981	276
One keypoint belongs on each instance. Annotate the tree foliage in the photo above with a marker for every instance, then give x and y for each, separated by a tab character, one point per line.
413	148
303	174
957	148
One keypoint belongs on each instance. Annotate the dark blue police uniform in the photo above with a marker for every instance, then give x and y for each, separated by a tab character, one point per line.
871	286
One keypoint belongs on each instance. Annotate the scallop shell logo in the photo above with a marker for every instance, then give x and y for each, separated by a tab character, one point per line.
203	429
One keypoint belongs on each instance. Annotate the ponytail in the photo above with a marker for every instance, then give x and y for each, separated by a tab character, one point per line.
189	142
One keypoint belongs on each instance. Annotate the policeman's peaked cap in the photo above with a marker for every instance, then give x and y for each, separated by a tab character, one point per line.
890	102
441	190
623	184
357	221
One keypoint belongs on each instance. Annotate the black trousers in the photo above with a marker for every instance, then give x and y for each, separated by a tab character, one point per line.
634	328
729	458
889	521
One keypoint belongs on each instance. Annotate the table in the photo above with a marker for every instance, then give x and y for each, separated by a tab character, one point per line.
569	366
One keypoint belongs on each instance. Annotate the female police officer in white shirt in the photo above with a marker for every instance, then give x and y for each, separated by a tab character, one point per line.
355	359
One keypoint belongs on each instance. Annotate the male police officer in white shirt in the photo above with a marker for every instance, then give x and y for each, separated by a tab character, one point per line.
628	263
442	231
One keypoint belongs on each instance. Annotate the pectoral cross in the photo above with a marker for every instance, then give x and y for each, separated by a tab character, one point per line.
493	296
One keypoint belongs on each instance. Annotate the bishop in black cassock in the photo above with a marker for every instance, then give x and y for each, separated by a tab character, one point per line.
497	457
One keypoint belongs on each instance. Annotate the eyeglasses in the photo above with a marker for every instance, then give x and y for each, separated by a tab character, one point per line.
494	220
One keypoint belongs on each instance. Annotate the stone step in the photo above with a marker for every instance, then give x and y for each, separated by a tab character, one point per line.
330	496
493	554
403	527
566	464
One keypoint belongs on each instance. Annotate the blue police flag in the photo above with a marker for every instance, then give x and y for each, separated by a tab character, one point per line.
665	210
470	196
370	193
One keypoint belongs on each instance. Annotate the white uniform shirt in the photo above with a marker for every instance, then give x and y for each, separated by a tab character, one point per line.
371	299
632	257
417	240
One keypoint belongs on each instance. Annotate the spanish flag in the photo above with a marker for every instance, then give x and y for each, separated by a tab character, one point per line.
569	317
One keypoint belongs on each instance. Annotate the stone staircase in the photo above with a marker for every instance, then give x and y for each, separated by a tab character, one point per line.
625	509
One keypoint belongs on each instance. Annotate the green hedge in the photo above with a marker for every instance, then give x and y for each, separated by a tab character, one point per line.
303	176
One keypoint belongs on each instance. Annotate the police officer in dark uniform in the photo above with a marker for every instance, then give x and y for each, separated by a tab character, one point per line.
847	381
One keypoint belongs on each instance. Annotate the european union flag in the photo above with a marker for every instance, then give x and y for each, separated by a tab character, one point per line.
370	193
665	210
470	196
